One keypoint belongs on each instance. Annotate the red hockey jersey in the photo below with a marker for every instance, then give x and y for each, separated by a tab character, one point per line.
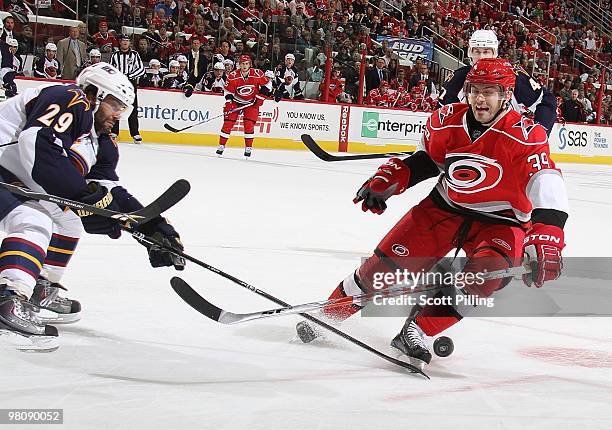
245	89
504	174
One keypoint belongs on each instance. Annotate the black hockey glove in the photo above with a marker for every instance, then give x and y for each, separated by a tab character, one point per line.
159	230
188	90
278	95
95	224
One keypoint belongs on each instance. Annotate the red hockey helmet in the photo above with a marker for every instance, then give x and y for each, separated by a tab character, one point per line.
244	58
492	71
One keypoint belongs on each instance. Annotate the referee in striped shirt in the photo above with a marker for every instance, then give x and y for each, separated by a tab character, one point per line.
129	63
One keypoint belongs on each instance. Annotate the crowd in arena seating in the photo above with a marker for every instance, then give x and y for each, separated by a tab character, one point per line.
550	39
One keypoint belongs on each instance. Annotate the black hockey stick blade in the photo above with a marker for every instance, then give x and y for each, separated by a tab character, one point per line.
174	194
203	306
193	299
326	156
172	129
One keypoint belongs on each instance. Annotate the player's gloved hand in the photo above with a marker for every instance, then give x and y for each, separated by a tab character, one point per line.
10	90
542	251
278	95
161	231
188	90
391	178
229	106
95	224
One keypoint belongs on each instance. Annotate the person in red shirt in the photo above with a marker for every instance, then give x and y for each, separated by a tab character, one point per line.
105	41
499	197
336	86
400	82
246	88
379	96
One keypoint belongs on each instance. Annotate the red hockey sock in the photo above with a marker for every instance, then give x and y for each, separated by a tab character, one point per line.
222	140
340	313
433	324
248	142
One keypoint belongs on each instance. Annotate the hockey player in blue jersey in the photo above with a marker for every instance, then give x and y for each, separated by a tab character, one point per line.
528	94
56	140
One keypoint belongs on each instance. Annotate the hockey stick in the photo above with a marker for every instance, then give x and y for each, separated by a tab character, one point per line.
178	130
169	198
326	156
193	299
227	317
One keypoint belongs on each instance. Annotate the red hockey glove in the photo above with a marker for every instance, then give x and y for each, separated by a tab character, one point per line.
391	178
229	106
542	251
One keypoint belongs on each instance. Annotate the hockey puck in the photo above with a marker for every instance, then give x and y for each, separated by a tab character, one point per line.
443	346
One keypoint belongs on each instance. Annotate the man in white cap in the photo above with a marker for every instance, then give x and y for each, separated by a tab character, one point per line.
173	79
215	81
287	80
47	66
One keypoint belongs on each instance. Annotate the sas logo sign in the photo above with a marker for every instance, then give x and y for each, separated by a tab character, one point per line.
369	124
573	138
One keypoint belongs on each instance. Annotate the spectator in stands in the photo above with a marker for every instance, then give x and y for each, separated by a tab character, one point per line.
335	86
376	75
572	109
566	91
228	31
26	41
213	16
586	106
8	32
145	52
315	73
71	54
105	41
118	17
198	62
47	66
422	74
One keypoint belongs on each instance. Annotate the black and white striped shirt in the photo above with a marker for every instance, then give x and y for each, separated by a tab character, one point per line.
129	63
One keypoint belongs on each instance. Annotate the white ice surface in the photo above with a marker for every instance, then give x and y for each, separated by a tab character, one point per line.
284	222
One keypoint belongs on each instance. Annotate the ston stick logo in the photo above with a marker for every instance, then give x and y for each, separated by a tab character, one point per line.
471	173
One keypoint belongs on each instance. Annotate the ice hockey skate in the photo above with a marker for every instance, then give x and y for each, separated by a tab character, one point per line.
411	341
21	326
247	151
55	309
220	150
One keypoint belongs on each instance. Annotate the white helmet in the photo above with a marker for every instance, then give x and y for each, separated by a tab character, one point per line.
12	42
94	53
50	47
174	63
181	59
154	62
483	39
290	57
109	81
219	66
269	74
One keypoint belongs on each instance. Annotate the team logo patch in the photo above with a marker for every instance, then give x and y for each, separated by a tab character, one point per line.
445	111
246	90
471	173
502	243
400	250
526	125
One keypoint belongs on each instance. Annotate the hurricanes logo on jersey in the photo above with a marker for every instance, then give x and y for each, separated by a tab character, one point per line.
245	90
471	173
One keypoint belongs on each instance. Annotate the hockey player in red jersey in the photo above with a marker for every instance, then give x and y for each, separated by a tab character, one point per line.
248	87
499	197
